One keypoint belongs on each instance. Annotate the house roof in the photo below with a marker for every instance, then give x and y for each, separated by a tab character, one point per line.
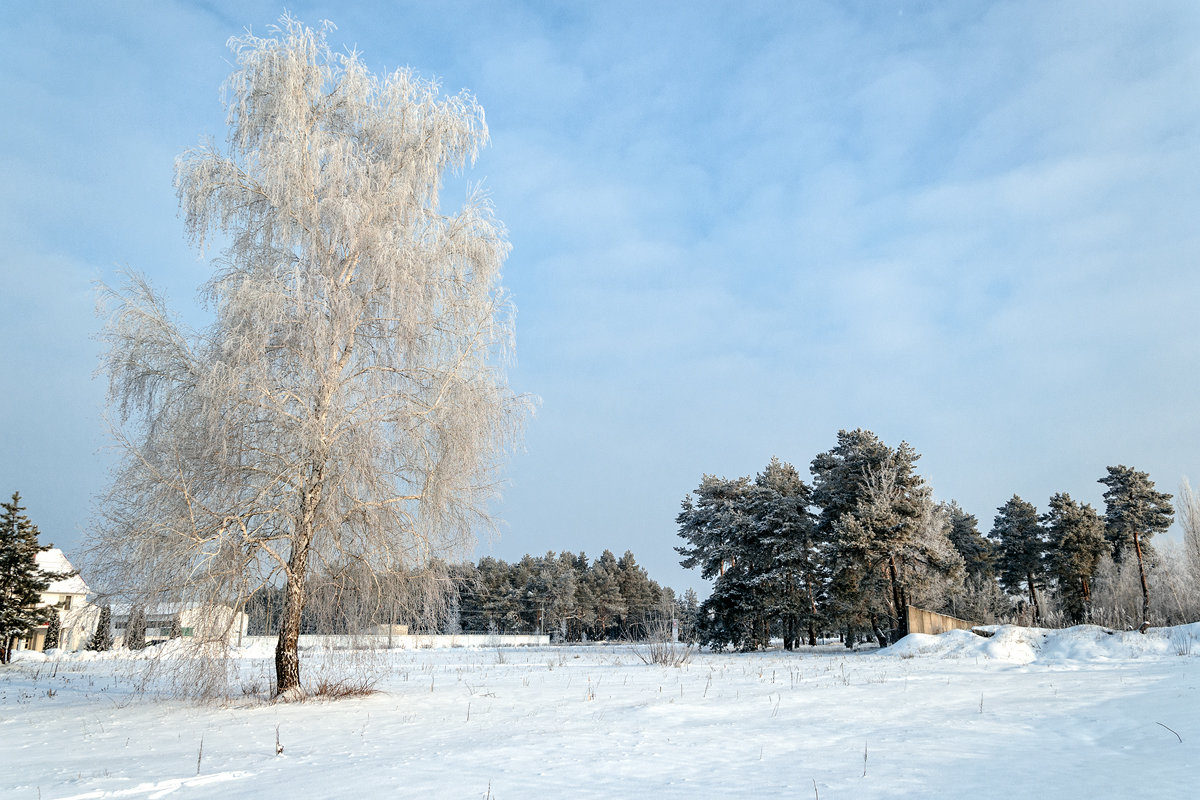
53	560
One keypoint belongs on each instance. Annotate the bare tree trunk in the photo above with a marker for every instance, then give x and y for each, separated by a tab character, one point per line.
1137	547
287	656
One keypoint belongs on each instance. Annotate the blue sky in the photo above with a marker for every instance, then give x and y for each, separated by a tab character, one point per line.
736	229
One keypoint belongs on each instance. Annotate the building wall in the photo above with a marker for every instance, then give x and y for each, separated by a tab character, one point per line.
77	620
206	621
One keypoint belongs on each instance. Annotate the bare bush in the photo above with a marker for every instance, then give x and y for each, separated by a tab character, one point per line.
660	647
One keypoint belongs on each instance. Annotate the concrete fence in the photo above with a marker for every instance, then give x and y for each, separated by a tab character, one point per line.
921	621
411	641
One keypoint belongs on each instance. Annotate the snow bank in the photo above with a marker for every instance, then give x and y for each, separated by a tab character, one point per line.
1082	643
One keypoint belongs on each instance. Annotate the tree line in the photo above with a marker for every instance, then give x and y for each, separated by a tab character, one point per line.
850	551
565	595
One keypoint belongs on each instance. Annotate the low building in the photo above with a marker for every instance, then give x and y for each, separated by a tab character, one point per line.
182	620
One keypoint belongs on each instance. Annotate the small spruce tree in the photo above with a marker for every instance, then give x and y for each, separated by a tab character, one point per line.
135	629
101	639
53	631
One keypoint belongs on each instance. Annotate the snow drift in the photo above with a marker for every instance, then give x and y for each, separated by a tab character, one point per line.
1019	645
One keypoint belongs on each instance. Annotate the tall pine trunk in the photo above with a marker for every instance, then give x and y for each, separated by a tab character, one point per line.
1137	546
899	606
812	625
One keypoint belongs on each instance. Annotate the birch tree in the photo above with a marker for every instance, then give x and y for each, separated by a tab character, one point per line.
348	404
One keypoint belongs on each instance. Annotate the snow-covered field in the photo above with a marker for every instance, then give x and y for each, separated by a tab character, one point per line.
1077	713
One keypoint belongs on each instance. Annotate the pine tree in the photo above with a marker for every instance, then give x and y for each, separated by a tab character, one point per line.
1022	545
1076	545
101	638
640	595
1134	512
585	599
933	570
606	589
978	554
53	631
717	523
756	540
871	503
789	573
21	581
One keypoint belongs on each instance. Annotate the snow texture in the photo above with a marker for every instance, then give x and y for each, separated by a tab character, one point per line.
1081	712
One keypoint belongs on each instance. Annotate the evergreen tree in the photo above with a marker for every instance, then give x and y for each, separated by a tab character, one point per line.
640	595
555	585
716	522
687	611
605	587
871	504
585	599
978	554
1134	512
756	540
500	597
21	581
789	571
53	631
135	629
470	598
932	569
1076	545
101	638
1022	549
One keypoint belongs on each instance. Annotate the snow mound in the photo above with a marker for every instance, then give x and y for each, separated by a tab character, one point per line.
1018	645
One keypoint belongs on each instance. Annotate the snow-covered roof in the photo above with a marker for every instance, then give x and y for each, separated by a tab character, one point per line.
53	560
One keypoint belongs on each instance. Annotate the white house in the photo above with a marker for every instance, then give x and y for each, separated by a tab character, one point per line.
77	619
170	620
